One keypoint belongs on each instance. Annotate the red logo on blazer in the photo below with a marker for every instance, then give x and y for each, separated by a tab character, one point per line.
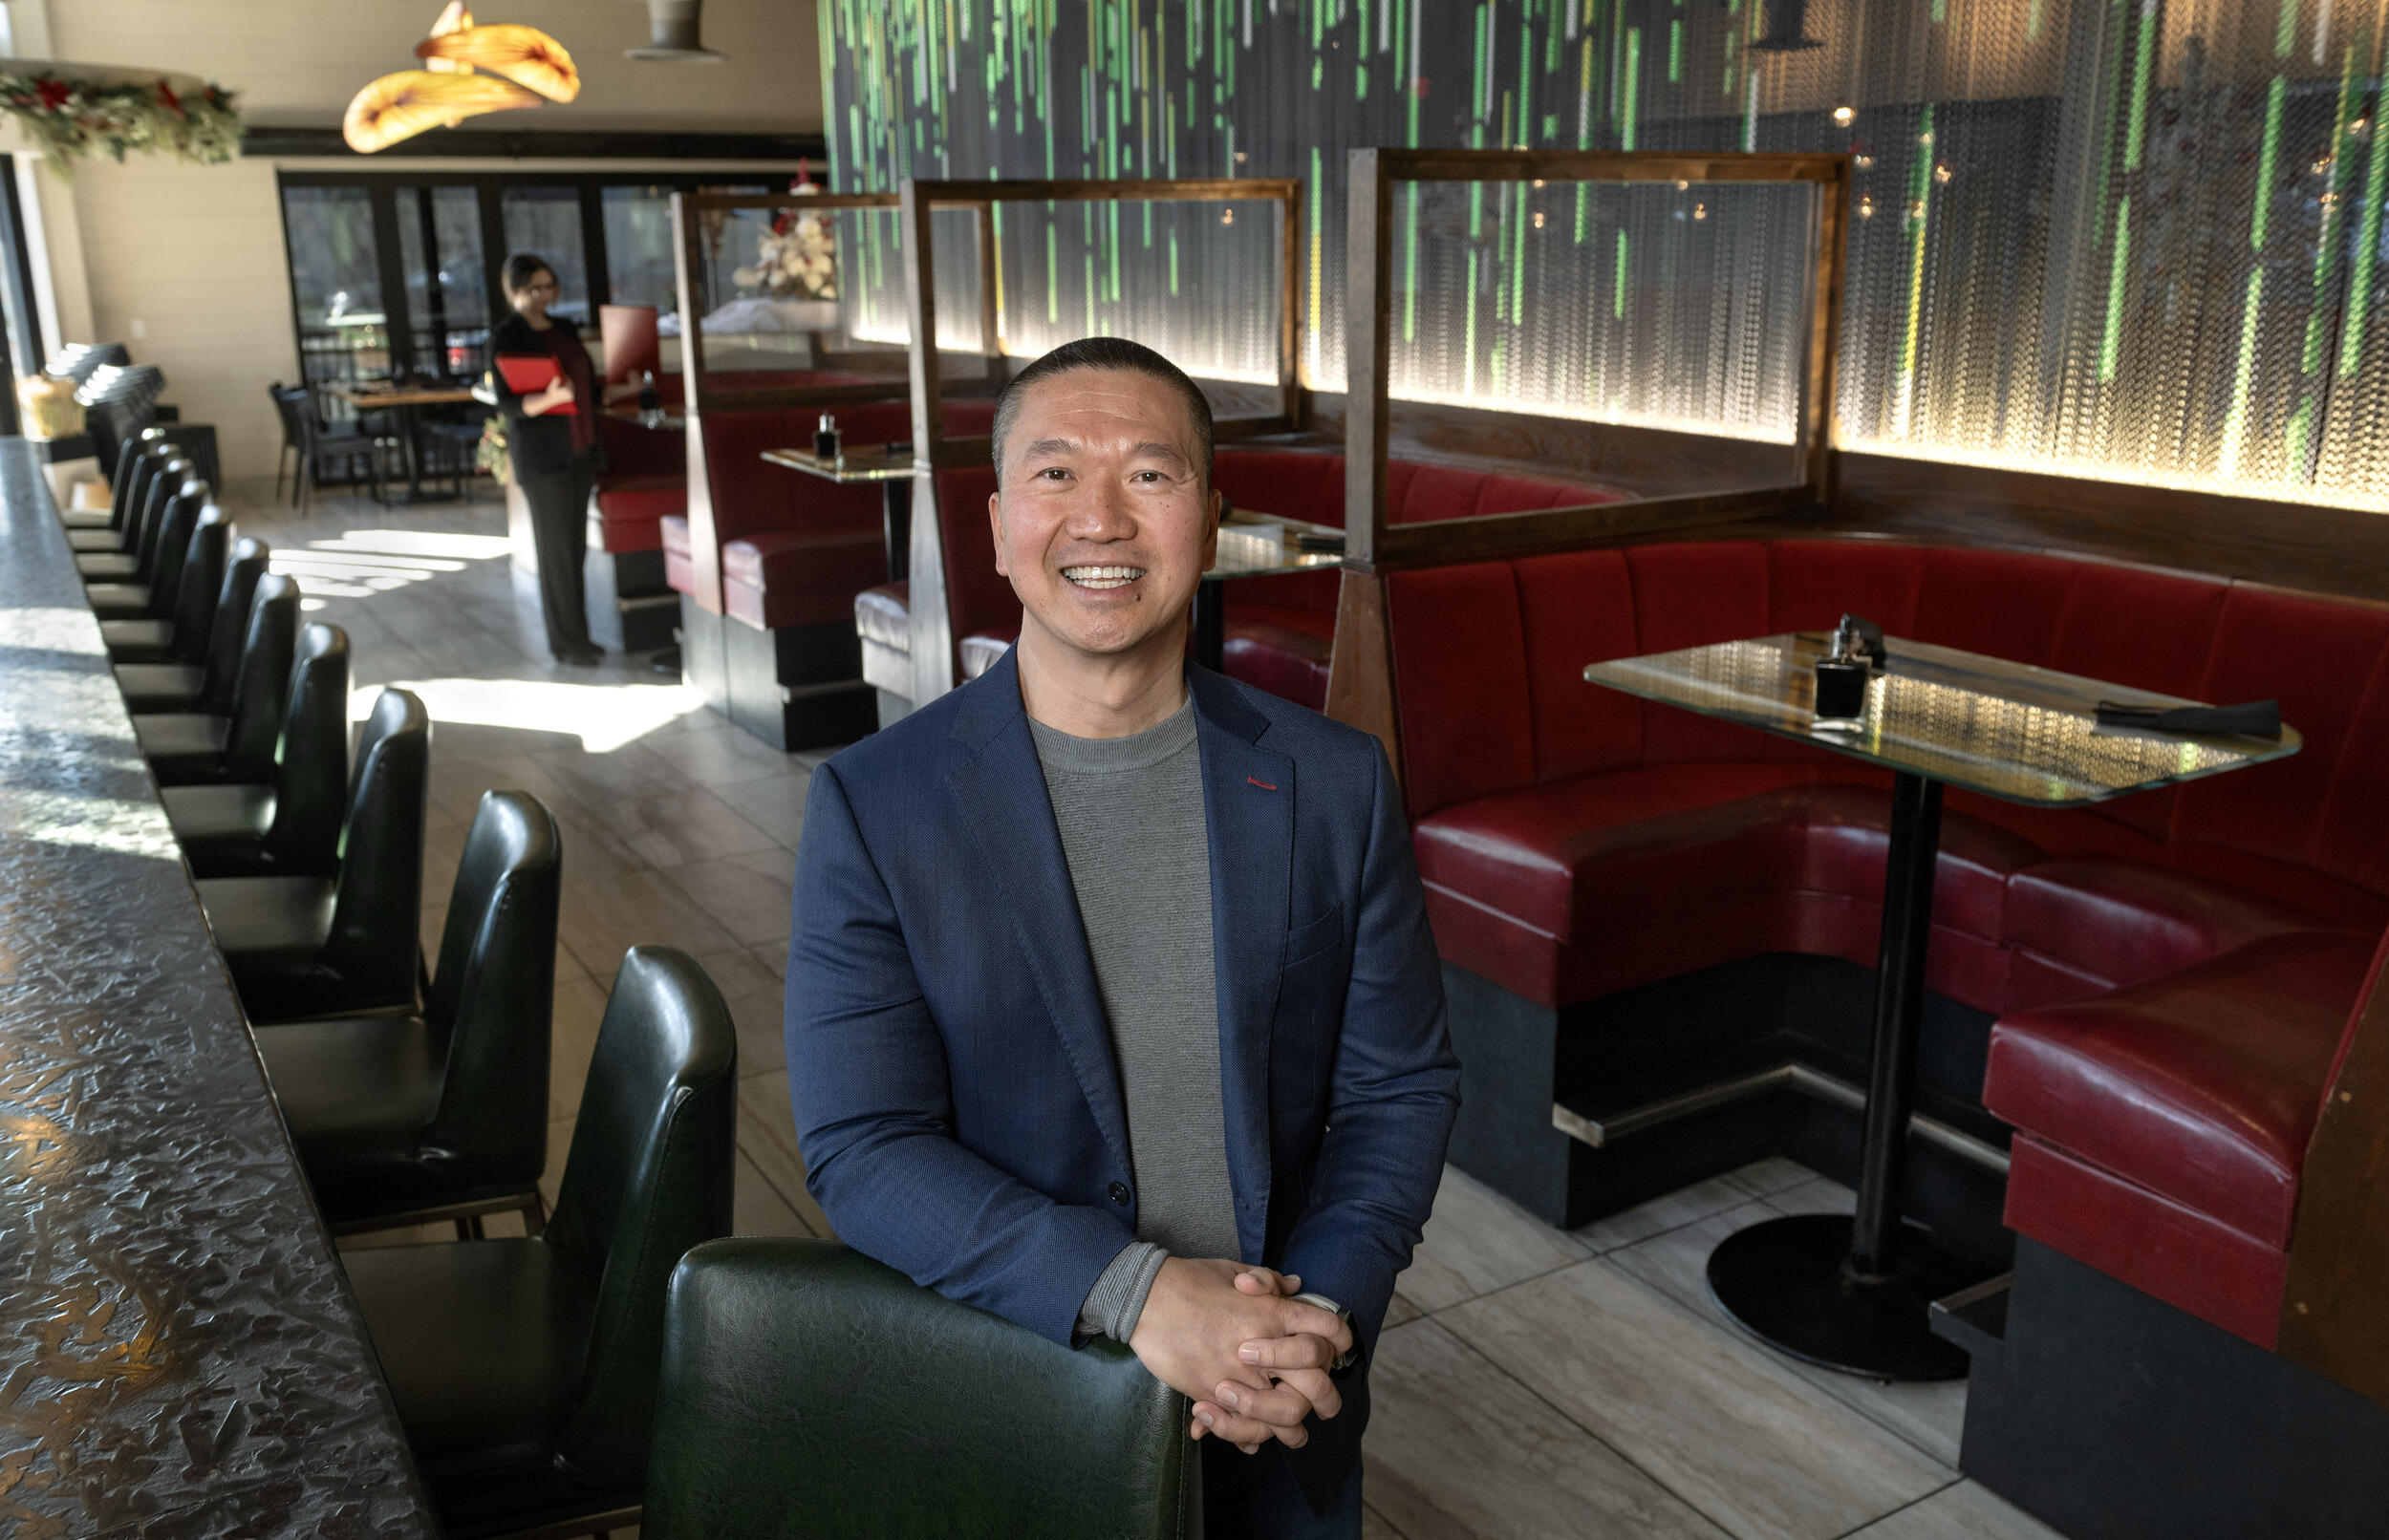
1262	784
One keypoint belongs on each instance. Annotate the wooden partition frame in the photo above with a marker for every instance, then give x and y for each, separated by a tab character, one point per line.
1360	688
710	391
932	630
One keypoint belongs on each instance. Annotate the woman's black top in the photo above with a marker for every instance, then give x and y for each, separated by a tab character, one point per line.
547	443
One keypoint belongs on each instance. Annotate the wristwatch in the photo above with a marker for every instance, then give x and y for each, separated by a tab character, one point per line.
1349	1355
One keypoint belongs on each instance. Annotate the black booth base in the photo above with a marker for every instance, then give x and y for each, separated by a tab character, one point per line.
2110	1415
630	606
800	686
1595	1063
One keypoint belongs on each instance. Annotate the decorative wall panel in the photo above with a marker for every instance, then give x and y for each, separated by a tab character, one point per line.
2131	239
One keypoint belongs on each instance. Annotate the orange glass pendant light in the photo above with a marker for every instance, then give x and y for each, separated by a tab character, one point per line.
523	55
402	105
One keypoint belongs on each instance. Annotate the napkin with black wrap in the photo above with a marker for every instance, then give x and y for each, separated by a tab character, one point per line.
2255	718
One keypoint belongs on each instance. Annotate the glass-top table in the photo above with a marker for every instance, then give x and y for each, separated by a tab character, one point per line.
1853	1294
1255	545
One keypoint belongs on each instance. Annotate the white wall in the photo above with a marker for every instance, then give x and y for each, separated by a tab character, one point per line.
185	264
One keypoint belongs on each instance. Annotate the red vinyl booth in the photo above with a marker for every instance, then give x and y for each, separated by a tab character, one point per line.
644	481
2174	974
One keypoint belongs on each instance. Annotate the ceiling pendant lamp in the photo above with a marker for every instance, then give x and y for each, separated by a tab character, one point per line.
671	35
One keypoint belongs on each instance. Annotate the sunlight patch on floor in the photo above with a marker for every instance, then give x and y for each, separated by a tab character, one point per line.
603	717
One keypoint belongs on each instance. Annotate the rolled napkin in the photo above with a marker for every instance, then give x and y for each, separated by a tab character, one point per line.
2255	718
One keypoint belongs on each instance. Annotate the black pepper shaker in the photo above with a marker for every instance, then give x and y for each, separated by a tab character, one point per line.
826	438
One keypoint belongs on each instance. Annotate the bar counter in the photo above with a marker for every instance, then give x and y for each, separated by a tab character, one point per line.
179	1351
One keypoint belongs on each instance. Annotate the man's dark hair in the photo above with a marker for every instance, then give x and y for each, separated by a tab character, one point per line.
521	268
1105	352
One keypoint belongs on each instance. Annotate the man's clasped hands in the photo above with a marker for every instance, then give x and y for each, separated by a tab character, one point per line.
1235	1340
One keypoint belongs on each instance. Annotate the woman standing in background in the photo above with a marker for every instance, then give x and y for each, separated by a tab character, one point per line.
551	441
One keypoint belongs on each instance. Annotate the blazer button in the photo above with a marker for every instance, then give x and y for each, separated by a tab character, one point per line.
1118	1193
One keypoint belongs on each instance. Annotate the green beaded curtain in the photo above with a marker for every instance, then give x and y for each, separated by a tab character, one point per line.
2137	240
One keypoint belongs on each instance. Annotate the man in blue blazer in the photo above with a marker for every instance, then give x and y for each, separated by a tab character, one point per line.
1111	1004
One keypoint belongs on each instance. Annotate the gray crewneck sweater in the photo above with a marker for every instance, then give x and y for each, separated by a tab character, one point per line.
1130	814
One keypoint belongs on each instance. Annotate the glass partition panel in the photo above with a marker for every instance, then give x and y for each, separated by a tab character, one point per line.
1662	305
639	246
870	258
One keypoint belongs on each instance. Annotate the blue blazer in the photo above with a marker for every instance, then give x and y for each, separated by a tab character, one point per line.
957	1100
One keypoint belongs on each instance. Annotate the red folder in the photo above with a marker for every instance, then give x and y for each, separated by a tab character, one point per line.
535	371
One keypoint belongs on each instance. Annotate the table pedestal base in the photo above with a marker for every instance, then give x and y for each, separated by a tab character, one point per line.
1788	1282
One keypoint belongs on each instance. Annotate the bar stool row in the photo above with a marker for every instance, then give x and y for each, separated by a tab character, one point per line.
569	1381
523	1369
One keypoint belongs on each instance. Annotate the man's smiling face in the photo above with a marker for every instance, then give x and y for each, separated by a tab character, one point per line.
1104	518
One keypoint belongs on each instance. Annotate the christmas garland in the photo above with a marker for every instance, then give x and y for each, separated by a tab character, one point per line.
73	118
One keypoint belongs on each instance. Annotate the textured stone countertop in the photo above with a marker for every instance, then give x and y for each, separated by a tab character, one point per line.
179	1352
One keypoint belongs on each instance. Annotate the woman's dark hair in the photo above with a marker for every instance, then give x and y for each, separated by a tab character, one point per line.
521	268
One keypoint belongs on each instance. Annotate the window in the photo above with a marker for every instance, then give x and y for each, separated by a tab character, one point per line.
547	219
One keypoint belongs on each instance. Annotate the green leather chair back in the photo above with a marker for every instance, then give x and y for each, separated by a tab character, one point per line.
228	625
375	947
311	760
174	543
202	582
263	686
810	1392
648	1176
493	993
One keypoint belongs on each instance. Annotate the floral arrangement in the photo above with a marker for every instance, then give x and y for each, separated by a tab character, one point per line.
798	259
491	454
74	118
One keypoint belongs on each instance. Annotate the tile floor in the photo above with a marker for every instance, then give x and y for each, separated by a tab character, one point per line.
1531	1382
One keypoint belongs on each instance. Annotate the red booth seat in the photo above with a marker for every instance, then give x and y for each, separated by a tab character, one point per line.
631	511
2174	972
807	538
784	577
1281	630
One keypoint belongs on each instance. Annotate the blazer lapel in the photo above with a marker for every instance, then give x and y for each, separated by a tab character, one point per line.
1025	876
1248	798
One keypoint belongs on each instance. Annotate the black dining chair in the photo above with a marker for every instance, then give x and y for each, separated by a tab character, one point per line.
760	1431
131	643
174	682
441	1114
339	449
524	1369
301	946
195	748
149	593
294	443
290	826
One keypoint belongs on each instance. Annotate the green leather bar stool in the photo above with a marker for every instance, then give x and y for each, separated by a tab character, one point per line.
202	748
810	1392
94	531
214	648
127	591
406	1118
291	826
302	947
525	1370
